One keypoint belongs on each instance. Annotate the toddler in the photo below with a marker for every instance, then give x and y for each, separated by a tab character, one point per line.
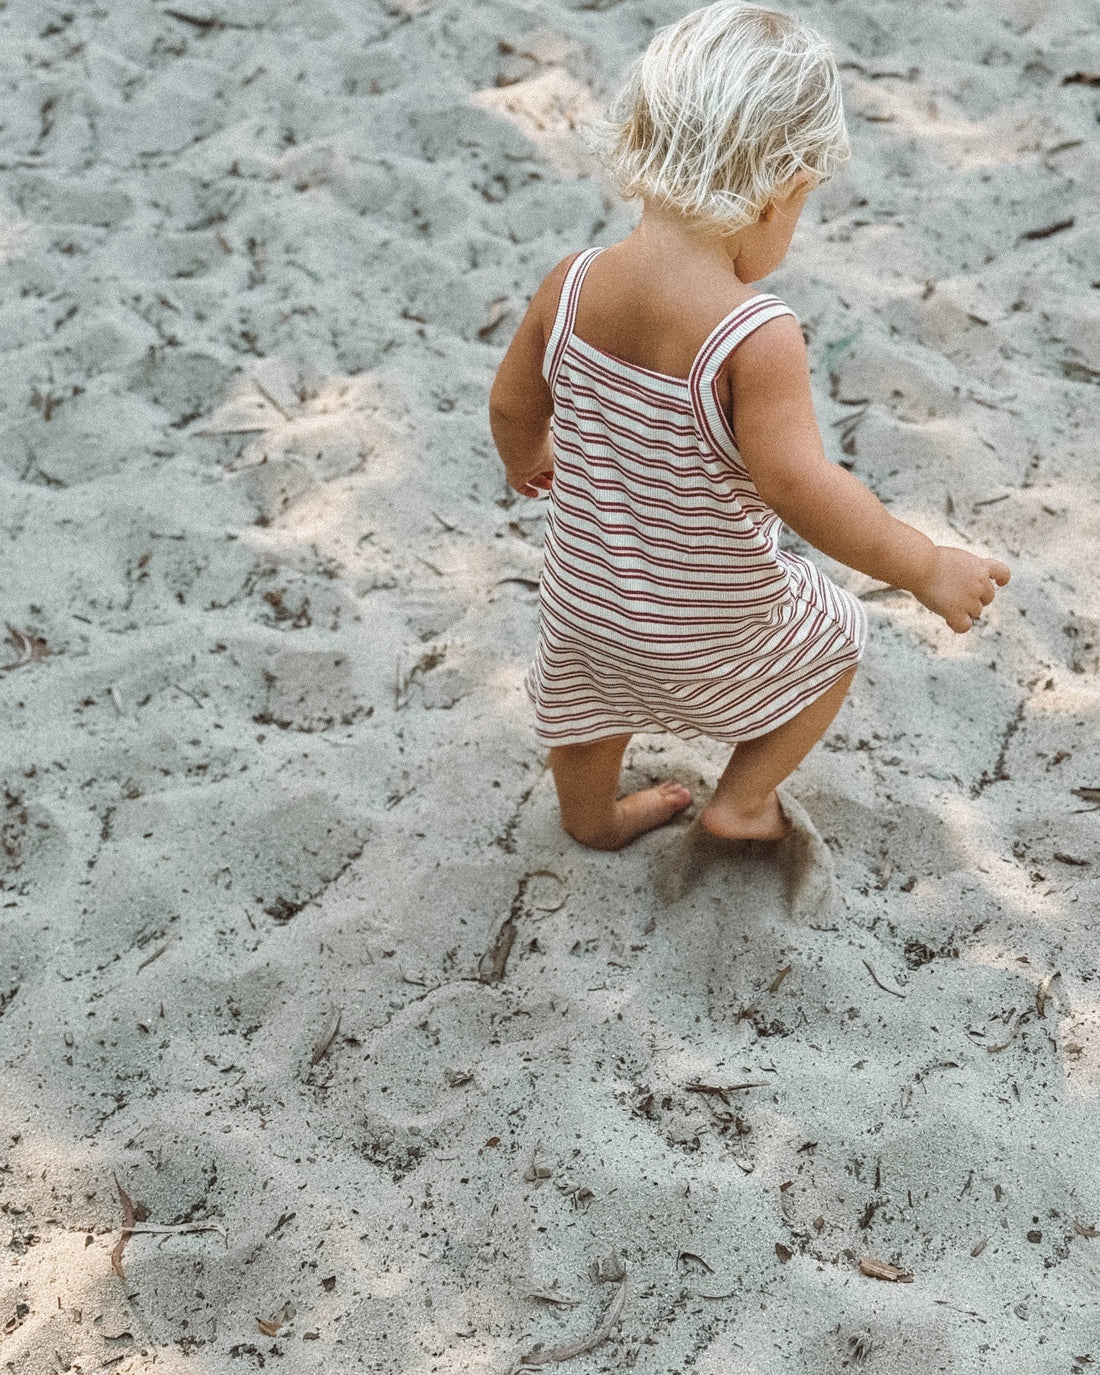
665	405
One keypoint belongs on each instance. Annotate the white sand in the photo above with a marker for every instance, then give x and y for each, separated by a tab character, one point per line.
280	734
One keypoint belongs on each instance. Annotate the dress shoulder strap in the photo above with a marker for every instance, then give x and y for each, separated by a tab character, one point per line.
717	347
566	313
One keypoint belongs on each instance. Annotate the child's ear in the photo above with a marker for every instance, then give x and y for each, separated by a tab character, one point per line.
790	191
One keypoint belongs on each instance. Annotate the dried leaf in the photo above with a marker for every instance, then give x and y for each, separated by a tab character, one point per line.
883	1270
1042	993
29	647
127	1230
690	1261
495	312
775	984
328	1035
270	1326
978	1247
1085	1229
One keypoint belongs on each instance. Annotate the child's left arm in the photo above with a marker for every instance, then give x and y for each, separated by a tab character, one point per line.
520	405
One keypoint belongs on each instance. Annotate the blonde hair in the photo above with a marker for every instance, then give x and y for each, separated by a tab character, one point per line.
722	110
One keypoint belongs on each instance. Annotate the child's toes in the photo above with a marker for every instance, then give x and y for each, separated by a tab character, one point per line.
676	795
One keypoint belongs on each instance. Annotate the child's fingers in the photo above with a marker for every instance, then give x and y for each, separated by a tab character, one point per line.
999	572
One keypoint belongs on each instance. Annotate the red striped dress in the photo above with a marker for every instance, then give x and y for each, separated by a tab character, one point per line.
665	601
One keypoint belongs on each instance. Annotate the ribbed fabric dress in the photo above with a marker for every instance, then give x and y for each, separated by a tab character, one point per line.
665	601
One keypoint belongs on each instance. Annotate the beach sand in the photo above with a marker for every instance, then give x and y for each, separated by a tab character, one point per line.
291	943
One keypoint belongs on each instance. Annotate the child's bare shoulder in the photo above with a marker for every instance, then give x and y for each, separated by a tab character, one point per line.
549	289
775	350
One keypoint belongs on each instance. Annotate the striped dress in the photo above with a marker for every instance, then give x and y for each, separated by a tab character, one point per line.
665	601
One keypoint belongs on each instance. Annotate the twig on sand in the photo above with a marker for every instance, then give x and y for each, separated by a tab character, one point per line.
270	396
157	953
967	1312
720	1090
204	21
188	693
1014	1026
131	1226
554	1296
174	1229
885	987
568	1350
494	962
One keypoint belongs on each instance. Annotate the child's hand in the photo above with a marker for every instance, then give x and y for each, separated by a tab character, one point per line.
541	482
959	586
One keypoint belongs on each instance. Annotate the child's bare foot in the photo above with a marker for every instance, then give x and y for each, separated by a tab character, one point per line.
731	822
632	816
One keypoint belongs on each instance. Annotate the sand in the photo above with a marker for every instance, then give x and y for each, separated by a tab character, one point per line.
268	763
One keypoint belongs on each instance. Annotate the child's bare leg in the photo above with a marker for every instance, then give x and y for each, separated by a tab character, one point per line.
587	779
744	805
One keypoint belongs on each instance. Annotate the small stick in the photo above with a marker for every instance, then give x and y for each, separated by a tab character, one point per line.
197	701
268	397
968	1312
1017	1022
203	21
568	1350
896	992
178	1228
157	953
552	1296
720	1090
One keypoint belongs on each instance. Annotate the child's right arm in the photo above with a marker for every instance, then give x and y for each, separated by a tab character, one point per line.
780	446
